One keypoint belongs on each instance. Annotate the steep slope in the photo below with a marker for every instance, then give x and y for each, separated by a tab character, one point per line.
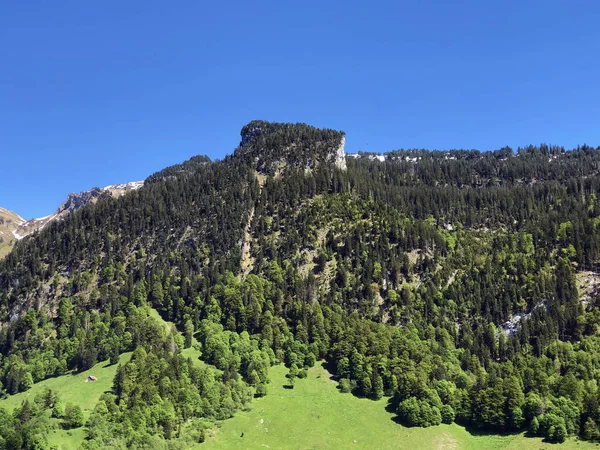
20	228
400	273
75	202
274	148
9	225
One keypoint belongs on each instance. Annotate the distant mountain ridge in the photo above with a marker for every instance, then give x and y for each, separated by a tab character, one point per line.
9	222
14	227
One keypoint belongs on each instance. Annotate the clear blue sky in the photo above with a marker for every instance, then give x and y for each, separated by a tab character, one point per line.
96	93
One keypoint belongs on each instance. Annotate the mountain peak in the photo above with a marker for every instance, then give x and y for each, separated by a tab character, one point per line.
273	147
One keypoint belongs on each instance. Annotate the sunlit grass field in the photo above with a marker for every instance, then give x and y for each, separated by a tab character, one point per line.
315	415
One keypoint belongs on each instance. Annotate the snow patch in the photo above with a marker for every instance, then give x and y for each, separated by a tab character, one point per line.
49	219
17	235
133	185
372	157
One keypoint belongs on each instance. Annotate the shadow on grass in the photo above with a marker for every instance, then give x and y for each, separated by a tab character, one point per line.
287	386
163	314
483	432
391	407
329	368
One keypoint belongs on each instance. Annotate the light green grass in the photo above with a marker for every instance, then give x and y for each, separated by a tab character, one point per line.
315	415
67	439
169	326
6	229
72	387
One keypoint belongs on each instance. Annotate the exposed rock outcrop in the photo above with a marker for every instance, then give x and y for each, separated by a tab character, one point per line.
273	148
340	156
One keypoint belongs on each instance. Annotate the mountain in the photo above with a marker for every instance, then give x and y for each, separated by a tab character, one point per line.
20	228
457	283
9	223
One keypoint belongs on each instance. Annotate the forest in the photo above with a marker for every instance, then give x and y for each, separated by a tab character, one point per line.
455	283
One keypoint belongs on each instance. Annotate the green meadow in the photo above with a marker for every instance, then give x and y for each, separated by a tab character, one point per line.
315	415
73	387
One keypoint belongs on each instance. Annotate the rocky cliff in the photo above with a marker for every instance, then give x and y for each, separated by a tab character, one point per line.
277	147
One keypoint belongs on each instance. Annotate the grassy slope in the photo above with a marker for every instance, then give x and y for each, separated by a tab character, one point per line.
72	387
67	439
169	326
10	223
315	415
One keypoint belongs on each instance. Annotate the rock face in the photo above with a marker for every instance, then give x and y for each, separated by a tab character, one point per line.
276	147
340	155
248	134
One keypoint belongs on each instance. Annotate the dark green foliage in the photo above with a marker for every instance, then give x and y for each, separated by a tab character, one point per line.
26	428
261	390
345	385
590	430
419	413
73	416
189	333
447	414
265	145
447	280
534	427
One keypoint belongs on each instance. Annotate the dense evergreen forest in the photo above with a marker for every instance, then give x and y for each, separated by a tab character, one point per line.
455	283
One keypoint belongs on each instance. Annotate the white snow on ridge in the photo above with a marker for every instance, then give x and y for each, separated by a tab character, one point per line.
131	185
28	227
17	235
372	157
50	217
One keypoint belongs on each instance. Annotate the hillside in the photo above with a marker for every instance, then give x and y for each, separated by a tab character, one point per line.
448	283
13	227
9	223
315	415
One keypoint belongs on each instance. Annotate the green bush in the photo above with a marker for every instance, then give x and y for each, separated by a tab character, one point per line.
447	413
